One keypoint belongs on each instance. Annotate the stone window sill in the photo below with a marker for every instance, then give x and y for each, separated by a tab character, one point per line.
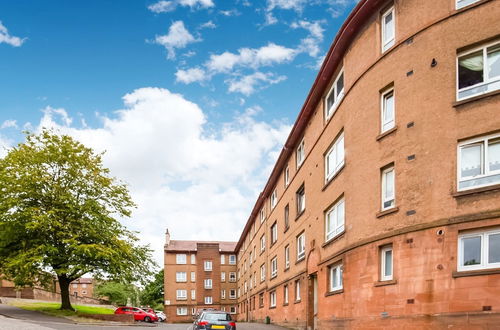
475	98
300	214
331	293
387	212
476	191
333	239
384	283
297	301
479	272
327	183
386	133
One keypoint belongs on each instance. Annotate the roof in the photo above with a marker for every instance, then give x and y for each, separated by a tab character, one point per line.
83	280
191	245
347	33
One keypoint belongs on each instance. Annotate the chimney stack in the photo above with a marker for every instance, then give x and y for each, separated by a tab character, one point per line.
167	238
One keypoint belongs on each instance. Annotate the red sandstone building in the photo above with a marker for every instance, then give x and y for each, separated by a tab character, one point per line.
383	208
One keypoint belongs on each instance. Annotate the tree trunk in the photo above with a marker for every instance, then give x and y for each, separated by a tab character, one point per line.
64	285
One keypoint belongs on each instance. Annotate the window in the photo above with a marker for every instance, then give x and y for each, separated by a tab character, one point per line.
479	162
287	176
387	111
246	286
262	272
262	243
232	277
223	276
334	95
208	300
336	277
261	300
287	256
250	282
180	277
180	259
232	310
232	259
84	292
193	294
465	3
208	283
250	257
182	311
222	259
297	290
232	294
223	294
334	220
274	198
386	263
274	267
301	199
272	299
479	250
287	217
193	276
262	215
479	71
301	246
334	158
193	259
388	189
285	294
181	294
193	311
300	153
84	286
208	265
75	286
388	29
274	233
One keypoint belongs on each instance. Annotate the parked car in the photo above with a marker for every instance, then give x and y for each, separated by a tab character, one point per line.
214	320
139	314
161	316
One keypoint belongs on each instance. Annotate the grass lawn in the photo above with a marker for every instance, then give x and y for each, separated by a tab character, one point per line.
53	308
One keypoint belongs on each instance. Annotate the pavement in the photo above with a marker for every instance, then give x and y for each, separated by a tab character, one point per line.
14	318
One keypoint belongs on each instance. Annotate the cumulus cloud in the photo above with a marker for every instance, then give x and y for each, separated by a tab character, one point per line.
229	13
177	37
296	5
247	85
208	25
310	44
191	75
5	37
168	6
8	124
199	182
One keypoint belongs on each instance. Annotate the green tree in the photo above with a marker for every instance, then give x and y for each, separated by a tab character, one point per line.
152	294
58	215
117	293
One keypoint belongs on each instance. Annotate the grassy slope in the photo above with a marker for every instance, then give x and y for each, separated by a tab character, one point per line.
53	308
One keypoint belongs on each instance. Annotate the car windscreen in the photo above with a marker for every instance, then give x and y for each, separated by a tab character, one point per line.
216	317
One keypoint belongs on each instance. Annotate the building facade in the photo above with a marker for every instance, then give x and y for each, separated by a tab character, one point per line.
82	287
383	209
198	275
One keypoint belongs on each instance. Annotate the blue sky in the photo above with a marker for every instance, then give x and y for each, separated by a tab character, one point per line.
191	99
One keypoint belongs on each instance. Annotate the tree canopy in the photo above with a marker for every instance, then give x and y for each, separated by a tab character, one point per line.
118	293
152	294
59	211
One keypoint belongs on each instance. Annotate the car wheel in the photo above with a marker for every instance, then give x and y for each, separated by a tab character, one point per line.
147	319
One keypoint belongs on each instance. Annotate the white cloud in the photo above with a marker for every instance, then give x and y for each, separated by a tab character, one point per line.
8	39
310	44
5	144
229	13
168	6
178	37
191	75
208	25
251	57
247	85
199	182
296	5
8	124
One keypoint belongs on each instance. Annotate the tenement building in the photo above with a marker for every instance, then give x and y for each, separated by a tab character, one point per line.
198	275
383	208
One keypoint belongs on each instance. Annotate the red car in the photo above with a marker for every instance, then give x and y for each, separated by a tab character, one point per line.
139	314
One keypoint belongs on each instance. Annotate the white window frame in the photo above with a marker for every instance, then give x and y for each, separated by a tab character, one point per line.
193	276
223	276
287	176
384	188
232	259
232	310
207	283
193	294
387	124
301	246
181	294
274	267
232	277
338	151
262	272
332	215
180	278
262	214
207	265
336	273
222	259
464	3
301	199
274	232
274	198
485	167
389	43
487	80
297	290
287	256
208	300
263	243
285	294
182	311
272	299
484	235
223	294
300	153
232	293
339	95
383	252
180	259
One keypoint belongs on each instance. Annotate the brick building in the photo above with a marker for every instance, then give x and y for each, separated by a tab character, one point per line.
198	275
82	287
383	208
